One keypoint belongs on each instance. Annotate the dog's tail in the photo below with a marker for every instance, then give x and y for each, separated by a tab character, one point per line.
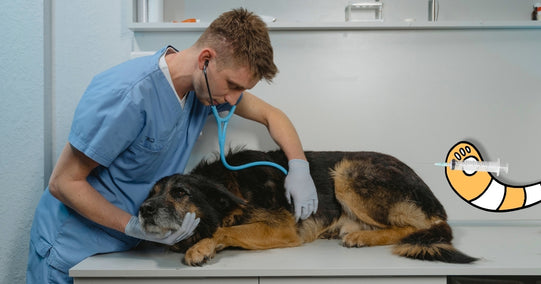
433	243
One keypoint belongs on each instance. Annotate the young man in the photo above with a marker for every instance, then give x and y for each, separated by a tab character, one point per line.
138	122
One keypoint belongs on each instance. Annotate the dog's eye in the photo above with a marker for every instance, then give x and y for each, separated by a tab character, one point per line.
180	193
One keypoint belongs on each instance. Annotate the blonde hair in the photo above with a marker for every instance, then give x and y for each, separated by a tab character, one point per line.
241	38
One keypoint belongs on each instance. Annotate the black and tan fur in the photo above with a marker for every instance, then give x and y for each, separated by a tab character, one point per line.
365	199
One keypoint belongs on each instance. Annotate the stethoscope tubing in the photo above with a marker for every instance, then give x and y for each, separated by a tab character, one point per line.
222	123
222	128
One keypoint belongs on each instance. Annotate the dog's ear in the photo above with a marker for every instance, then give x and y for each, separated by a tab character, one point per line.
218	195
224	203
225	199
215	195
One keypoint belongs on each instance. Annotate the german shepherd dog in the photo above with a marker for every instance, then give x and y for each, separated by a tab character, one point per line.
365	199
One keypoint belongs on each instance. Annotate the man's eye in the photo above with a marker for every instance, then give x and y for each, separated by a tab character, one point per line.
235	87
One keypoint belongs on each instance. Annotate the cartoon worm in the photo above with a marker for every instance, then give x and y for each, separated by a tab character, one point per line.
482	190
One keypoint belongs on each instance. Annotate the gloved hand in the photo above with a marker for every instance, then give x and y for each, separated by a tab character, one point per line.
134	229
301	187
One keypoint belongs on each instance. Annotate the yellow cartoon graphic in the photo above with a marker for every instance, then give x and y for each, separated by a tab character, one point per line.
480	188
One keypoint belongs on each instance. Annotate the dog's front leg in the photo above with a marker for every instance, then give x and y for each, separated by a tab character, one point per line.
201	252
248	236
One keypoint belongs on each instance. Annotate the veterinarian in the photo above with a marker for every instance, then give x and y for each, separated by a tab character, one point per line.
138	122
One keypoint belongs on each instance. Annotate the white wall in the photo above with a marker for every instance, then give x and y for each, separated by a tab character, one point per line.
393	91
21	112
88	36
412	93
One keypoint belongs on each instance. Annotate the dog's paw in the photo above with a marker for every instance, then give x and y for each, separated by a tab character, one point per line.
354	240
200	253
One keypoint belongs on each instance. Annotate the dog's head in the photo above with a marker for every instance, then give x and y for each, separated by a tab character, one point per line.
167	203
174	196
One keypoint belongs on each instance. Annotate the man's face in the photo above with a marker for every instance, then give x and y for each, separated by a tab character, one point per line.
226	85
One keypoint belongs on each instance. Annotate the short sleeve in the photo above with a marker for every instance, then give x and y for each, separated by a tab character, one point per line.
106	122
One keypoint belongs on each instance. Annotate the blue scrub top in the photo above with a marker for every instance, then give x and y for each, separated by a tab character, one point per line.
131	122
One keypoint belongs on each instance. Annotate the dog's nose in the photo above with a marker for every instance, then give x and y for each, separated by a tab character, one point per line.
147	209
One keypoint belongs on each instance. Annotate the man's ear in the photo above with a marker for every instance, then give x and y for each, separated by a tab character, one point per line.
205	56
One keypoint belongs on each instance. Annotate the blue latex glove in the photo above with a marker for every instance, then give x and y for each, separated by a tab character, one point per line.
300	186
134	229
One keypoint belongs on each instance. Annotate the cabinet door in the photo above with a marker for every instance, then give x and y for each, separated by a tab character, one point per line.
356	280
210	280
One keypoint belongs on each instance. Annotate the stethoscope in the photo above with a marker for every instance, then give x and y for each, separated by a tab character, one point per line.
222	127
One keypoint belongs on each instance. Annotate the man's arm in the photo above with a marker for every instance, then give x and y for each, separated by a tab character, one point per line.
69	185
280	127
300	187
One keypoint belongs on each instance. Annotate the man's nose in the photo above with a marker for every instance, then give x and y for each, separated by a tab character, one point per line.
232	97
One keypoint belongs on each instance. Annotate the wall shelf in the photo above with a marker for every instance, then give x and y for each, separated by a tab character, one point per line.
345	26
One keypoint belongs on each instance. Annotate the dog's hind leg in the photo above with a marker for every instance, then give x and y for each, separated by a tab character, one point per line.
393	218
352	196
366	201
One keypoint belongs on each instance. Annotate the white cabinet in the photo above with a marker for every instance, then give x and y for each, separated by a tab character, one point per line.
252	280
356	280
503	250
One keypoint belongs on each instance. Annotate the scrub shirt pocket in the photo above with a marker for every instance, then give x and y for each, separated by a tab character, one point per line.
40	269
146	155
